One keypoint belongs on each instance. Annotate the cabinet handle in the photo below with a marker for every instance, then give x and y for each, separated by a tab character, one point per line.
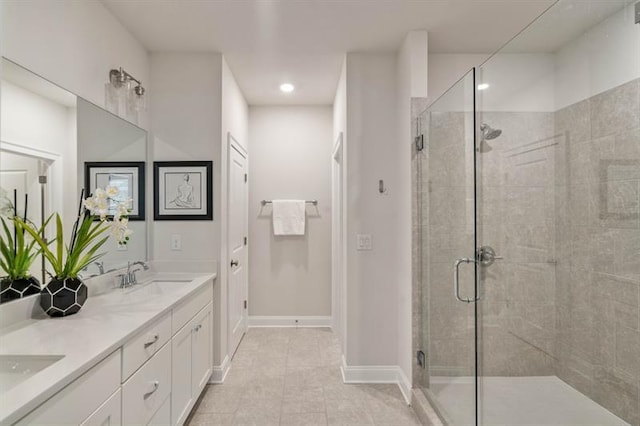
151	341
197	327
154	387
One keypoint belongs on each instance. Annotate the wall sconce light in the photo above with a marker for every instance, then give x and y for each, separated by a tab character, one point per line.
125	95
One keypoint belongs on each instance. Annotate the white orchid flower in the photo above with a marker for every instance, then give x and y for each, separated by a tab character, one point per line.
111	191
90	204
103	204
121	209
100	194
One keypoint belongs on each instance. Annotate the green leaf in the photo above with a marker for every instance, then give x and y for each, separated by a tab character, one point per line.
59	242
55	263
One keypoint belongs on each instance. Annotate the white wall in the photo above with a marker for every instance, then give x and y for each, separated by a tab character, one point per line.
339	260
290	159
234	121
186	113
372	154
195	102
445	69
186	122
517	82
72	43
589	65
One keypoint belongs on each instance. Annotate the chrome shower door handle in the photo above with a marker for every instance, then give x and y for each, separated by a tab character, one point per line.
456	279
486	255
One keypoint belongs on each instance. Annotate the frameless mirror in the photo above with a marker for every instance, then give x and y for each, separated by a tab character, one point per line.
52	143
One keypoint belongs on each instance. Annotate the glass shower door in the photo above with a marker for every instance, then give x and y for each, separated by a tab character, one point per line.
446	206
558	202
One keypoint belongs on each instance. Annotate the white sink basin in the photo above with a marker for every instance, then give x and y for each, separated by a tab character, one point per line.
14	369
157	286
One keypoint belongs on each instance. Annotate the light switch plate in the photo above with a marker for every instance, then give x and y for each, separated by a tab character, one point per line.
364	242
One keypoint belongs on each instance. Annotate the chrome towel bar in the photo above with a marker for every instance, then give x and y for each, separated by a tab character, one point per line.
314	202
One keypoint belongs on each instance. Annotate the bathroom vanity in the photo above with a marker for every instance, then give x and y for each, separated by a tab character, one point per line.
140	355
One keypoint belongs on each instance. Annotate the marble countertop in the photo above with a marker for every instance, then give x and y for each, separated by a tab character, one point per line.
104	324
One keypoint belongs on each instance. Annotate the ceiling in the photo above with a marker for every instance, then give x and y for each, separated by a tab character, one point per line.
267	42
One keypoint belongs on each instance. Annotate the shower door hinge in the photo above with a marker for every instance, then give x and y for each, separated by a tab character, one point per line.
245	177
422	359
245	304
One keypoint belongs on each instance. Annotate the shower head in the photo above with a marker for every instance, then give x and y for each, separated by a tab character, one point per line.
488	133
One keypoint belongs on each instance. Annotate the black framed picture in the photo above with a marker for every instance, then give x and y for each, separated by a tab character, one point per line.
183	190
127	176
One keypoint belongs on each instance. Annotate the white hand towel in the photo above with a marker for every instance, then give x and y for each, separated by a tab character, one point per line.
289	217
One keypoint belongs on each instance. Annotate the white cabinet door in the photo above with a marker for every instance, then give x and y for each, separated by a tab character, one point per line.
181	367
163	415
75	403
109	413
202	362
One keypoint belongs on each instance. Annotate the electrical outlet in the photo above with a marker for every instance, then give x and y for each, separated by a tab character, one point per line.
123	247
364	242
176	242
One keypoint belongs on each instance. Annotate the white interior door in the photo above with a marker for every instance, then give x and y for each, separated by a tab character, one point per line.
238	226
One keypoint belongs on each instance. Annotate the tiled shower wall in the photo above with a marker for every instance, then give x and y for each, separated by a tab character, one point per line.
598	249
516	217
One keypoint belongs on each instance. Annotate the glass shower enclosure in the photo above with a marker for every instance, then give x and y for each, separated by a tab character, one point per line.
527	192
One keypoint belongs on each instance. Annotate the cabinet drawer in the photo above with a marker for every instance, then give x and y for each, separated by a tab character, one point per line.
147	389
182	314
76	402
109	413
163	415
146	343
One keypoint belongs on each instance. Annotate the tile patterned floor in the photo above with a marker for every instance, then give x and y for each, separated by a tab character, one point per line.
291	377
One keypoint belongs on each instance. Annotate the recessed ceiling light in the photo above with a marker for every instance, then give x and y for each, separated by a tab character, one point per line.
483	86
287	87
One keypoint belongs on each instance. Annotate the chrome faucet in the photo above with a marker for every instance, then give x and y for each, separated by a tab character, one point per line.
100	266
129	279
141	263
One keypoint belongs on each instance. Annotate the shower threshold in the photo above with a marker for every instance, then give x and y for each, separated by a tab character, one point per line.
513	401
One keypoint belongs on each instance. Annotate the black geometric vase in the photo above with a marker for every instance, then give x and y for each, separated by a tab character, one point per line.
63	297
18	288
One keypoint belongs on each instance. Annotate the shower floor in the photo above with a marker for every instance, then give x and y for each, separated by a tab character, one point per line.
516	401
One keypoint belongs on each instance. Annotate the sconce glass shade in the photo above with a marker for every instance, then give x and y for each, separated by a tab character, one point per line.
140	98
124	95
116	97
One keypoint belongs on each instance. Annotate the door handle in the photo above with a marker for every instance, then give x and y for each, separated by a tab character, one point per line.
234	263
456	279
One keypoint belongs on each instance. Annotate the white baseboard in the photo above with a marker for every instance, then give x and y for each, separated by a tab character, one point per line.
377	374
405	385
220	371
276	321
